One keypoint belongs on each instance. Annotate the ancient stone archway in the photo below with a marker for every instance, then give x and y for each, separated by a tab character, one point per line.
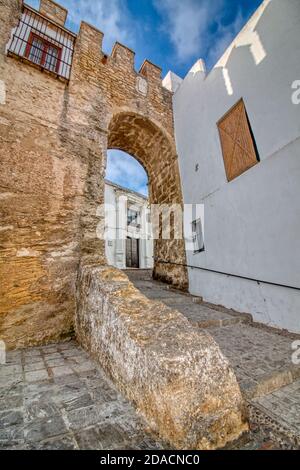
53	169
155	150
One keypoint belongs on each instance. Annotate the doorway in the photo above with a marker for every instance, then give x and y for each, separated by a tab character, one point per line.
132	253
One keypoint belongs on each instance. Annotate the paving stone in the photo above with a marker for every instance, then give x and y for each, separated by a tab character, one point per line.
55	362
65	379
40	430
44	414
106	437
81	401
73	352
6	370
13	357
147	443
198	313
11	402
61	371
283	406
11	436
52	356
64	442
11	381
103	393
249	350
84	367
30	360
66	392
92	415
40	410
33	366
36	376
10	418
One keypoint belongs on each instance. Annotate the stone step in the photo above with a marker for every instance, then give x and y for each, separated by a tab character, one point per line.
191	307
139	274
280	410
261	359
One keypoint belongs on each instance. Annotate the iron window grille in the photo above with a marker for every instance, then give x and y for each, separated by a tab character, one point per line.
198	238
43	43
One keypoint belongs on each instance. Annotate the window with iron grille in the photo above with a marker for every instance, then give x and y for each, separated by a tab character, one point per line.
198	238
42	42
44	53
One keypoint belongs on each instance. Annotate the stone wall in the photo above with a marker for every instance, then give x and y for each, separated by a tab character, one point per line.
175	374
53	141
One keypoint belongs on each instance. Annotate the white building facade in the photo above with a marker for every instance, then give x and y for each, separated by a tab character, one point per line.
128	233
238	139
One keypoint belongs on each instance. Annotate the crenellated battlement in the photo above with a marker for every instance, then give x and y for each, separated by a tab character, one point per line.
89	42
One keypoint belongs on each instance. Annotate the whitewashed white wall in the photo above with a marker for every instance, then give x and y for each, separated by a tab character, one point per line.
252	224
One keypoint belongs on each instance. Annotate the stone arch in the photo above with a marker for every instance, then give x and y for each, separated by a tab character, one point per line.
155	151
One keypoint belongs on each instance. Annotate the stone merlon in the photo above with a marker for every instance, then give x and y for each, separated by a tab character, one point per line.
53	11
123	54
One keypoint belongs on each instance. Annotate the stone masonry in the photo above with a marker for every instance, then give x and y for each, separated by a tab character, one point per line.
53	141
174	373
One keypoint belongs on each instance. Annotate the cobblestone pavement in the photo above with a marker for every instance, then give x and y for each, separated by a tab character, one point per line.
261	358
55	397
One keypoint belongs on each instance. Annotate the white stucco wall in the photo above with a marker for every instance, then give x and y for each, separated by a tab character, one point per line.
117	200
252	224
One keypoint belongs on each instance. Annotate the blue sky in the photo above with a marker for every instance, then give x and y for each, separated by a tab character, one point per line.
170	33
126	171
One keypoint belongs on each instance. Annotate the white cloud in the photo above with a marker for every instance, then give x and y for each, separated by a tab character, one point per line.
125	170
188	24
110	16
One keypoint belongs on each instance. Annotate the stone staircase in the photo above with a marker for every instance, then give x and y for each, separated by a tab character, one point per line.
260	357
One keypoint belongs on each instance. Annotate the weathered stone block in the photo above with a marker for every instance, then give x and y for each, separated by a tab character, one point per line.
175	374
53	11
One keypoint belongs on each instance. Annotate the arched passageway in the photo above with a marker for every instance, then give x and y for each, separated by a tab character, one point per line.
128	230
155	150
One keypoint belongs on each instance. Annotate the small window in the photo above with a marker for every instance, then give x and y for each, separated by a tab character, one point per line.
43	53
132	217
237	140
198	238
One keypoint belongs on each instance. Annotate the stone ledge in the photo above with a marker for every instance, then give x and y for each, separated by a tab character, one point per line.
175	374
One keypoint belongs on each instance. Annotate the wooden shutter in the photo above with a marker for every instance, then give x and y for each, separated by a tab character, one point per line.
238	146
